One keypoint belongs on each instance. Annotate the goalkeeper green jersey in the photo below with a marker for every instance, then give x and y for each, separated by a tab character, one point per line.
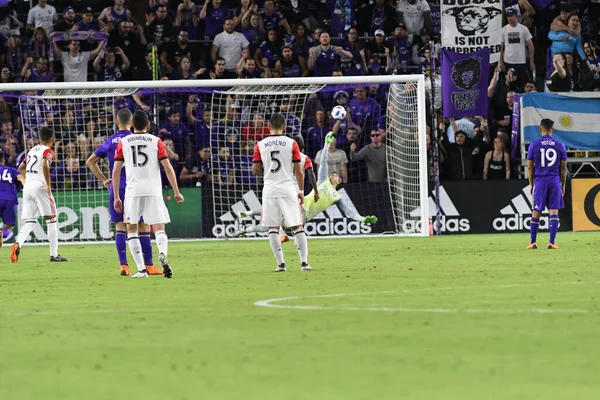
328	195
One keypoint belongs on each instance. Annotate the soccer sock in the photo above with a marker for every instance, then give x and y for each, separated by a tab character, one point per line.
146	247
136	250
162	241
302	244
553	227
533	228
5	233
121	243
276	246
256	228
53	236
25	231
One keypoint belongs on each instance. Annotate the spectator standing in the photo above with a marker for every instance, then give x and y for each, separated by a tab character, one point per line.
215	14
365	111
315	135
159	26
107	69
301	41
521	9
172	53
67	22
459	157
88	22
379	15
590	68
514	37
560	79
343	16
256	129
564	41
497	162
39	45
573	71
415	15
177	132
273	19
465	124
374	156
356	169
401	43
38	74
323	59
269	51
75	63
253	31
15	51
112	16
196	171
290	65
200	127
229	45
69	176
187	19
43	15
131	41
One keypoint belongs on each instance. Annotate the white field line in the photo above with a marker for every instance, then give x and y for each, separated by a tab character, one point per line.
273	303
100	311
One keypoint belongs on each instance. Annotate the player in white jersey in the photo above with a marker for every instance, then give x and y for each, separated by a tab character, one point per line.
37	195
306	166
142	154
277	158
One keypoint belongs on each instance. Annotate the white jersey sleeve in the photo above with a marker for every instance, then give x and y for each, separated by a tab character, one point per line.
34	171
141	154
278	154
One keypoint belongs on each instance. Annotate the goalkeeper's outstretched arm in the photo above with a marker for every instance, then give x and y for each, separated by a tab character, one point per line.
323	170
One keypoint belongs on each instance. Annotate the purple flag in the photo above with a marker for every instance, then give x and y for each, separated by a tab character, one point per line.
516	127
464	83
4	2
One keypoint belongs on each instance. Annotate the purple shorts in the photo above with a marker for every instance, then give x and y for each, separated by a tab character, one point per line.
547	193
8	212
115	216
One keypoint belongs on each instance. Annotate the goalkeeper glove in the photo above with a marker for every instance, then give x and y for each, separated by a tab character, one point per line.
329	138
370	219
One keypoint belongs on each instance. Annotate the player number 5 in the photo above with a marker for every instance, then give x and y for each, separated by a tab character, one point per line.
275	160
549	156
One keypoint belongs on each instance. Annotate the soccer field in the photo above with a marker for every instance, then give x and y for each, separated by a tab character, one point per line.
455	317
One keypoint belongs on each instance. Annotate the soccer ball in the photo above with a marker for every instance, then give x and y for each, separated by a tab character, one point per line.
338	112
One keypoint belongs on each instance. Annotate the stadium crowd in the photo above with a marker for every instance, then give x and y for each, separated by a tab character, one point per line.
544	48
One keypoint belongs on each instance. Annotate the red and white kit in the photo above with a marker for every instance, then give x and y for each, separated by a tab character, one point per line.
37	199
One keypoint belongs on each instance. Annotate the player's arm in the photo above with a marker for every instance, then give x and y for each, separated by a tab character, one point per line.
563	175
92	163
530	170
257	165
23	167
21	178
313	182
46	172
164	160
300	180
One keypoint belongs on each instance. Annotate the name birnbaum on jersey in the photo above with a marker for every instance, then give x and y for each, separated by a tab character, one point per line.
141	154
34	171
278	154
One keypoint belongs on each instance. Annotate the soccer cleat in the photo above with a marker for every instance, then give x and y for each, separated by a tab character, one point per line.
124	270
241	214
552	246
58	258
241	232
280	268
305	267
14	253
284	238
153	270
532	246
167	271
140	274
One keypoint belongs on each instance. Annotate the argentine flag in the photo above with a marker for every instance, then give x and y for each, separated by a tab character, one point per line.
576	118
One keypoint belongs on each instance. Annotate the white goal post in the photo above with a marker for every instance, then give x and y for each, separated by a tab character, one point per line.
235	107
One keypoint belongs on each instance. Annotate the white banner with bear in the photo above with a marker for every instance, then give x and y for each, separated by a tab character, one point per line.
471	25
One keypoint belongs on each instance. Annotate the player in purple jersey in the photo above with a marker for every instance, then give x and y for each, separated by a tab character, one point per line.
8	197
547	170
107	149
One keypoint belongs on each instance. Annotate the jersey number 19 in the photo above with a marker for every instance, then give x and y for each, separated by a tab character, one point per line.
548	157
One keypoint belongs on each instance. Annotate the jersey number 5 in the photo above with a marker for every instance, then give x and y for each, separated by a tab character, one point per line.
548	157
276	160
140	158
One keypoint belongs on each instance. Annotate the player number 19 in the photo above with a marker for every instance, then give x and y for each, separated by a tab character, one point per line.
548	157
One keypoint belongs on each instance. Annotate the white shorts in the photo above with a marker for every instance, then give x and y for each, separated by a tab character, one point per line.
151	208
276	208
37	203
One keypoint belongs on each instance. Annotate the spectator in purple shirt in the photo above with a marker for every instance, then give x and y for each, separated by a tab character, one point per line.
214	13
196	171
377	16
301	41
88	22
342	16
200	127
401	44
253	30
177	132
38	74
365	110
323	59
270	50
39	45
315	135
69	176
107	69
273	19
187	18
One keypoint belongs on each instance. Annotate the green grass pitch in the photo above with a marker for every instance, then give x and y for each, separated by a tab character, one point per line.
462	317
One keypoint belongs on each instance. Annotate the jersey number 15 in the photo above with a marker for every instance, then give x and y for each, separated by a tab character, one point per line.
140	158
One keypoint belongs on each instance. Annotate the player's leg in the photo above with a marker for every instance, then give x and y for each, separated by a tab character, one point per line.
8	213
47	208
155	213
30	216
246	214
271	219
292	214
282	235
555	202
121	232
146	242
133	210
539	204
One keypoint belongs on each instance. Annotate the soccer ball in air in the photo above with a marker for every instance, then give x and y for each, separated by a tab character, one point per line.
338	112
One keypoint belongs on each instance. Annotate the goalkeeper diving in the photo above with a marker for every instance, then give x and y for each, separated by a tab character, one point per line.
317	201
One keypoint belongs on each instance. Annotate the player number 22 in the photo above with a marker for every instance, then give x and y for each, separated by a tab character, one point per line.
138	155
548	157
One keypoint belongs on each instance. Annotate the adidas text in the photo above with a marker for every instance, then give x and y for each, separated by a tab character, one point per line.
447	225
517	223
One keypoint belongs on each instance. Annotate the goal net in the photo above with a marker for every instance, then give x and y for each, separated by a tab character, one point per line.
210	132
